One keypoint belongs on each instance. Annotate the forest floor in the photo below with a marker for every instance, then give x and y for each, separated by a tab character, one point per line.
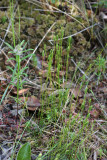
53	79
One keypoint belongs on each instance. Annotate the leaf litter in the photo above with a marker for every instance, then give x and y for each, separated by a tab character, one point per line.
74	93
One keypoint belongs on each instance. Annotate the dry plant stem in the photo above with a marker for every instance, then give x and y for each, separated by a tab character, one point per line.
5	34
68	97
4	7
47	4
44	10
75	6
4	71
7	57
57	92
99	139
100	41
102	127
8	26
33	83
80	69
40	43
95	155
17	115
96	24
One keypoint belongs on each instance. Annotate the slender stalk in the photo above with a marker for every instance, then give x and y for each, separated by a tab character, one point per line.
18	82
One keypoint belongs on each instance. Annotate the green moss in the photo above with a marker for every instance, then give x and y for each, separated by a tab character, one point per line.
68	29
2	34
40	32
34	14
3	19
3	26
31	32
31	21
23	37
4	3
24	6
40	18
22	24
2	14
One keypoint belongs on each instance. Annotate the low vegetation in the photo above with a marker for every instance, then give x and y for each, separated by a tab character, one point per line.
53	80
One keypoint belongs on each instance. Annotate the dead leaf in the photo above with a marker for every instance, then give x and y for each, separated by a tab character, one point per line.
23	99
33	101
1	107
62	73
89	13
94	113
97	106
76	92
103	89
71	68
66	120
22	91
81	100
67	85
44	64
32	108
43	73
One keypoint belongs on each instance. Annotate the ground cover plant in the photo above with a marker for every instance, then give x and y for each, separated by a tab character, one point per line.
53	63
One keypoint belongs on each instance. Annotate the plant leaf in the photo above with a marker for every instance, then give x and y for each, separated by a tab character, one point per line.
28	50
9	46
11	59
26	56
4	95
22	43
24	152
23	82
22	70
10	68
